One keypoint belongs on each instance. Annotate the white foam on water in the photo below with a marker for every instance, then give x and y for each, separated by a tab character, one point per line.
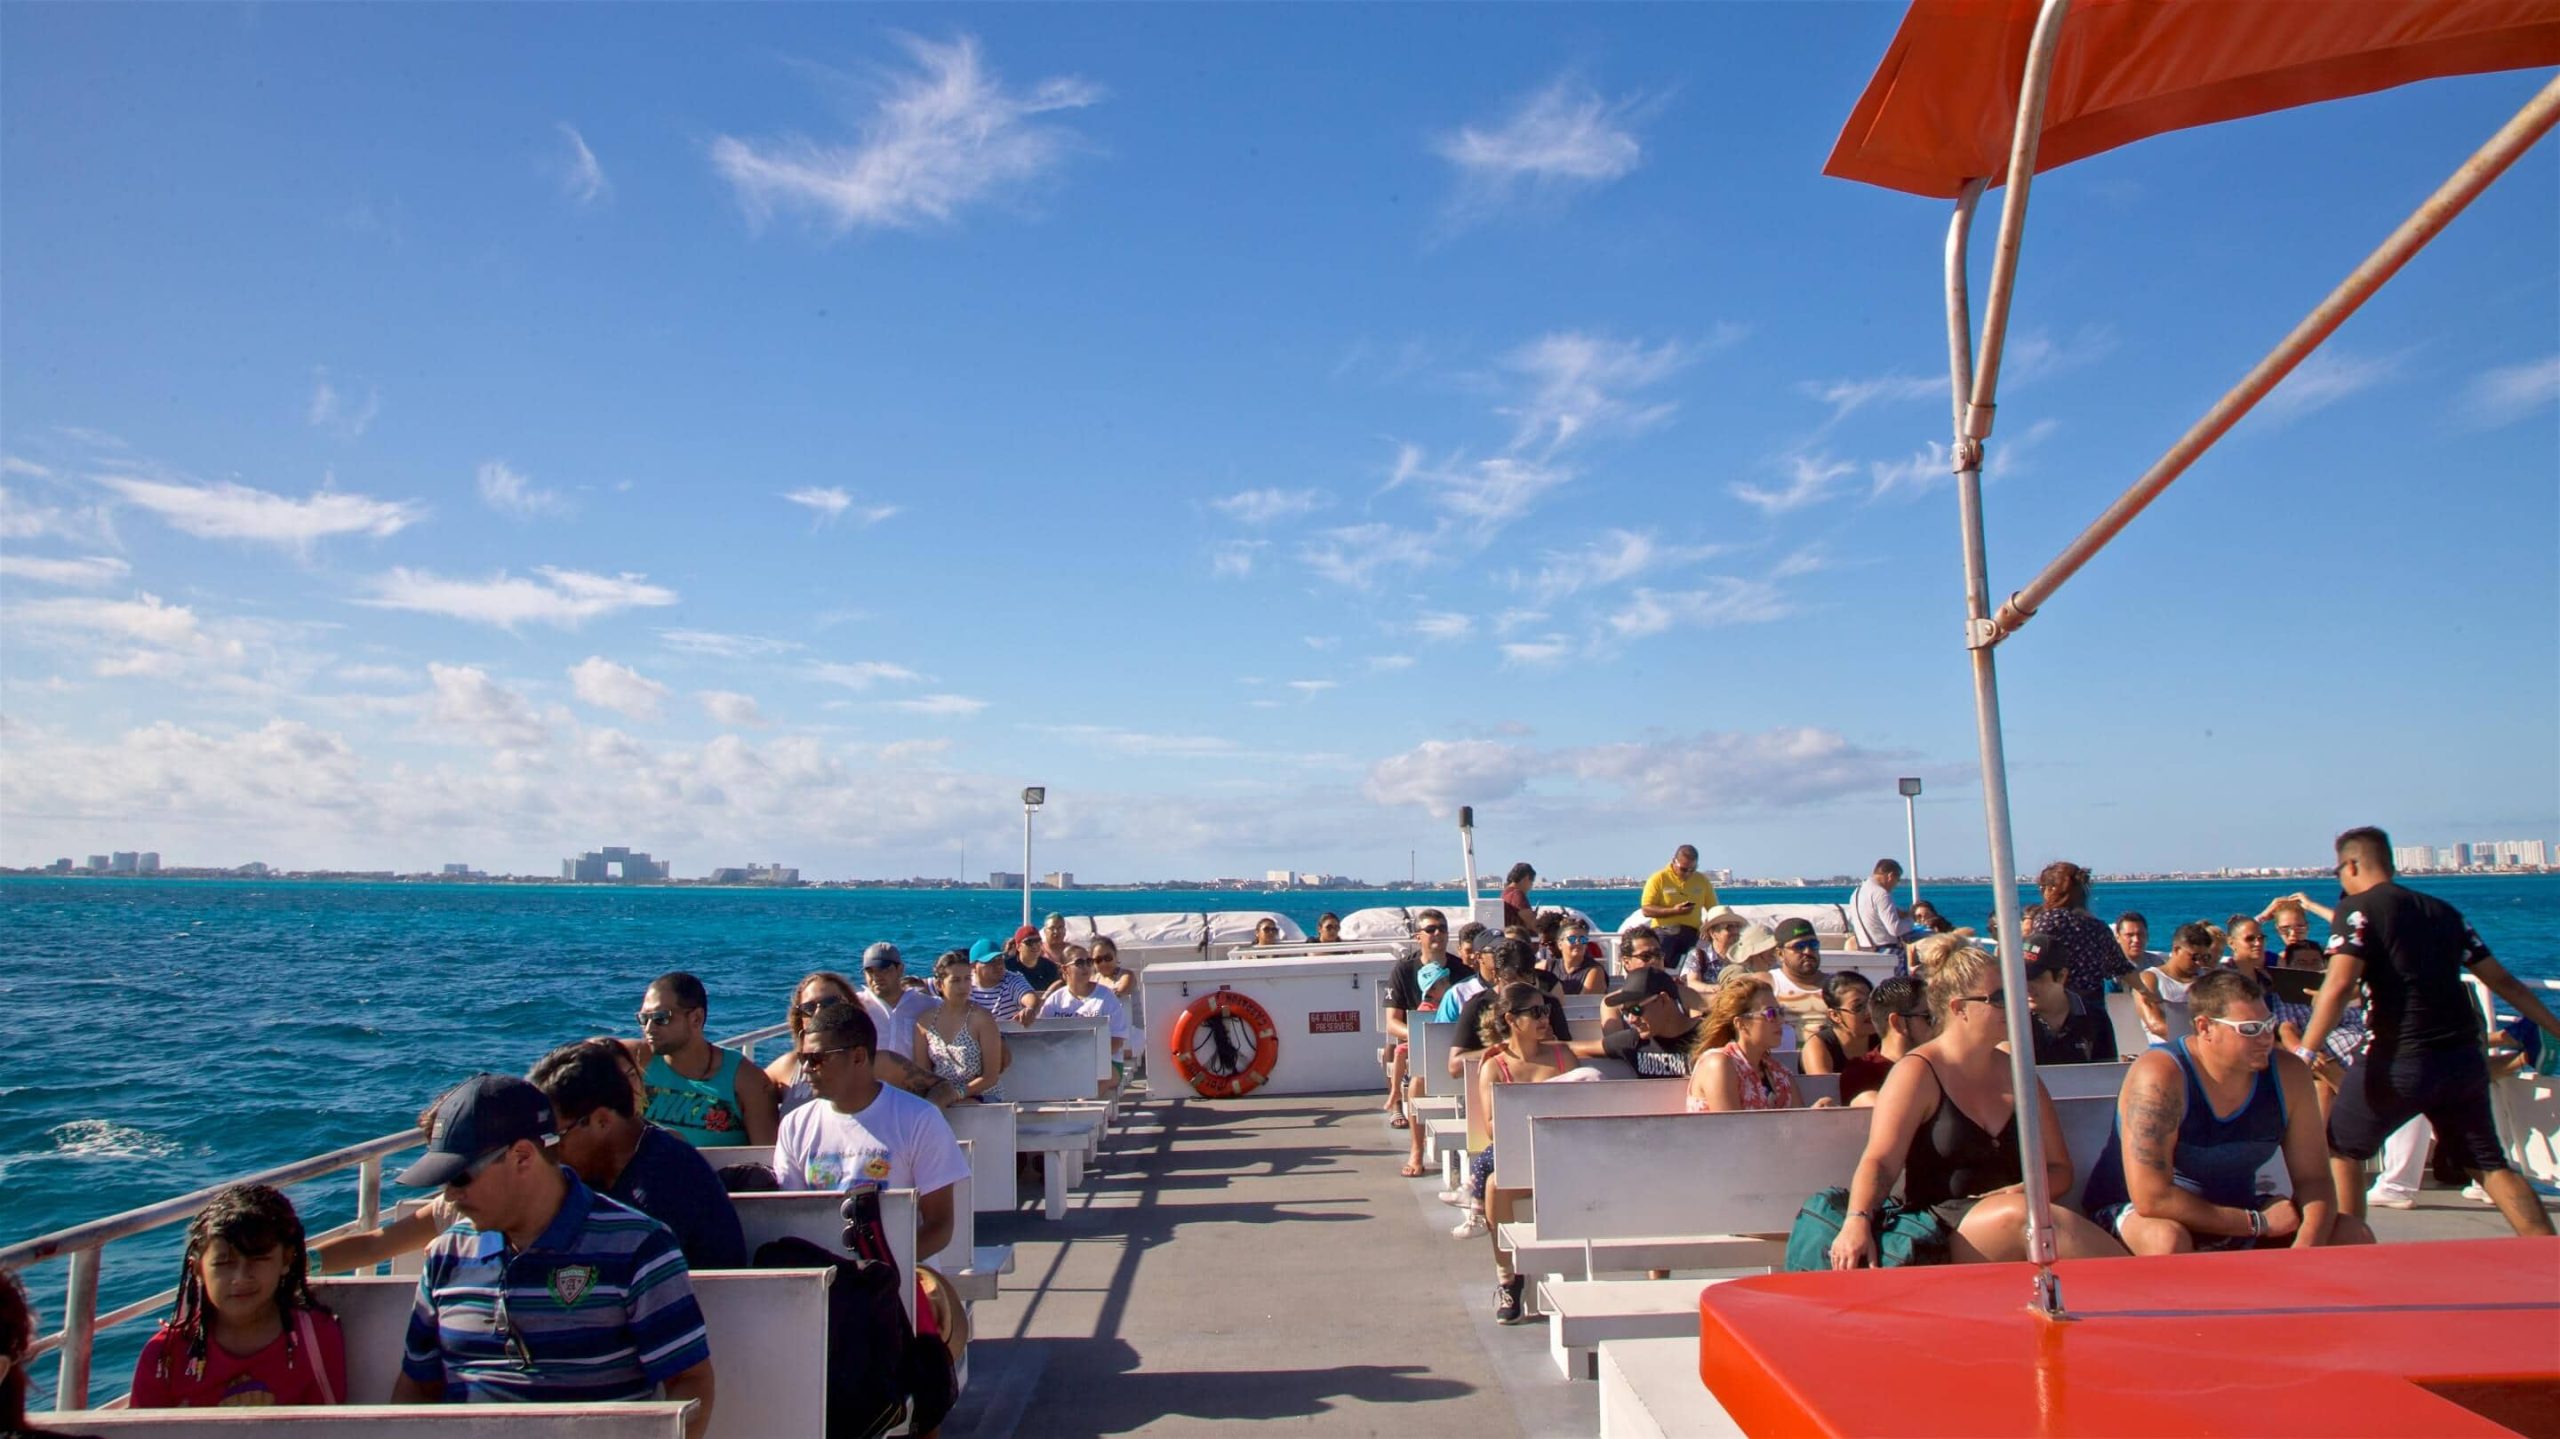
106	1139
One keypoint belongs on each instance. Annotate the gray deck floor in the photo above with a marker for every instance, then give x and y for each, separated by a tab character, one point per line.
1256	1260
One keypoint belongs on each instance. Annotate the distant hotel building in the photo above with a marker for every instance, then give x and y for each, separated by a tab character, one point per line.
1059	879
2479	854
1001	879
756	874
599	865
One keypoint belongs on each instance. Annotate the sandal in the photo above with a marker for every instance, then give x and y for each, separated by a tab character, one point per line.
1399	1121
1411	1170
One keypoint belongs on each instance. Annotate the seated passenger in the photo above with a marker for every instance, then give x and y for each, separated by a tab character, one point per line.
1849	1048
246	1331
1655	1036
1524	1051
1514	962
494	1321
628	1159
1798	981
1729	1064
1900	1009
2069	1029
993	986
1107	972
1077	994
1719	935
1328	928
1266	932
884	978
865	1134
1925	915
2161	991
1029	955
1578	967
821	988
2199	1118
958	1037
701	1093
1946	1125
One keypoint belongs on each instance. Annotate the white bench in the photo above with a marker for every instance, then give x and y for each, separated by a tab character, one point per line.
819	1218
1650	1389
656	1419
970	1267
768	1332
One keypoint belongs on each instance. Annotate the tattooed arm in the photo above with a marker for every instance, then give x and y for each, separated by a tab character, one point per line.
2147	1116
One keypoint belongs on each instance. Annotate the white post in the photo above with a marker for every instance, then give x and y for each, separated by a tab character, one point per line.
1467	852
1911	837
1026	864
79	1314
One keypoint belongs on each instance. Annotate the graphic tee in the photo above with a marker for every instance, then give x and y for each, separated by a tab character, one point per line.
2415	948
896	1142
1653	1058
169	1377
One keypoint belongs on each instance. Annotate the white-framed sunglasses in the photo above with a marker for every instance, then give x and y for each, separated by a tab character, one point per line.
2250	1028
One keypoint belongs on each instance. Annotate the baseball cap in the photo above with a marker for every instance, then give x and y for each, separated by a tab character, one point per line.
1026	932
883	955
985	951
1640	986
2036	958
1791	931
483	1113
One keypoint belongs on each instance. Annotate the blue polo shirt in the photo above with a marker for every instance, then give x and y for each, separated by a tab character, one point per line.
674	1184
599	1308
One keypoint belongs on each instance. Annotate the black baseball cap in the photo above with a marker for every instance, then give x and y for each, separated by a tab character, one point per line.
883	955
1640	986
1795	931
2036	959
483	1113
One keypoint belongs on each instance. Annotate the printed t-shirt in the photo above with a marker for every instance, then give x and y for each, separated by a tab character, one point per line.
1404	984
669	1180
1653	1058
1101	1002
280	1373
1453	1000
601	1303
1697	893
702	1112
896	1142
2415	948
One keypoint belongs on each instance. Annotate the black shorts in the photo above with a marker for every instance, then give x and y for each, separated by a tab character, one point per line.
1677	941
2449	1086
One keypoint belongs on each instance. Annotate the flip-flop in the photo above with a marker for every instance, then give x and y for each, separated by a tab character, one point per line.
1410	1170
1398	1121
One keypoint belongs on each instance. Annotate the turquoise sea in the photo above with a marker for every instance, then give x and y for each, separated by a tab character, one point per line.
159	1035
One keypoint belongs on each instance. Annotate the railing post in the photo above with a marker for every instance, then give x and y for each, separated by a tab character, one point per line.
79	1313
369	1193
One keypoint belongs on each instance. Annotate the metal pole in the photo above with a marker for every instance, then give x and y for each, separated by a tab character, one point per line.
1974	426
1026	864
1911	833
2518	135
79	1312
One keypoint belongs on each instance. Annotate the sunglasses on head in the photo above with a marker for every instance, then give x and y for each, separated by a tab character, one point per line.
2250	1028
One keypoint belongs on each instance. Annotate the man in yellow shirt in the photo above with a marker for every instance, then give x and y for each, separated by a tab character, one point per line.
1673	899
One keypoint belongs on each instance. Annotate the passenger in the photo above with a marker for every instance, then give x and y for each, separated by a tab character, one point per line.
17	1338
1328	928
1674	898
2411	951
1798	980
865	1134
1729	1065
2133	940
1404	997
1900	1008
1027	955
1107	972
884	979
1476	945
2248	941
1721	930
1053	937
1849	1047
1655	1040
959	1037
994	986
1266	933
1514	962
2160	992
246	1331
627	1159
1516	909
818	990
1925	915
1640	948
2064	920
1525	1050
1875	919
698	1091
2196	1121
1578	967
1927	1134
494	1321
2069	1029
1077	994
2291	915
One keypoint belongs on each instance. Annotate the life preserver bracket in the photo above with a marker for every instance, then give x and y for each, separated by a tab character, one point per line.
1219	1075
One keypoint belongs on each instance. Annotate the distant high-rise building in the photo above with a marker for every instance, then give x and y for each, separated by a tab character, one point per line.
147	862
61	866
1004	879
125	862
1059	879
2461	856
1280	876
598	866
2412	858
2521	854
97	864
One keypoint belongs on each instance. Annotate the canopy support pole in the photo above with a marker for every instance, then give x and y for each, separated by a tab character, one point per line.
2518	135
1976	385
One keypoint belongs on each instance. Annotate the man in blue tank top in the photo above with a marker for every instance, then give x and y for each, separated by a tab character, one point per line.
2198	1121
694	1089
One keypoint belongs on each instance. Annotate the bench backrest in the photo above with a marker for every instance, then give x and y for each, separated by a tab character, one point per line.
986	1130
1514	1105
1054	1066
2126	1016
1095	1025
1432	1041
653	1420
2083	1081
1581	1009
819	1218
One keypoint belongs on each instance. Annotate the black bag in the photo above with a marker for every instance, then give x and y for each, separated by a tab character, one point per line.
878	1370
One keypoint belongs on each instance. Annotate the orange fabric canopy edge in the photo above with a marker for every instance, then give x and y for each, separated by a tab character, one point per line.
1939	110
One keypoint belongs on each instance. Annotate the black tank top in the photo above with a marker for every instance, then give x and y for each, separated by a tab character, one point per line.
1954	1158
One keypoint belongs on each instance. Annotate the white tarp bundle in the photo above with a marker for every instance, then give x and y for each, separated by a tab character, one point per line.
1195	932
1387	922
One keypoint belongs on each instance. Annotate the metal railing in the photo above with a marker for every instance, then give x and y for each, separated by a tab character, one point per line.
84	1245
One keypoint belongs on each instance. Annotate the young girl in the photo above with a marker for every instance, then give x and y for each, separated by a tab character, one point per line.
246	1331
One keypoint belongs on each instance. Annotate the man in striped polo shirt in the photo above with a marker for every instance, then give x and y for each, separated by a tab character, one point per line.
547	1292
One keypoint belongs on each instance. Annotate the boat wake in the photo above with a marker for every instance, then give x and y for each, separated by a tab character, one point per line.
105	1139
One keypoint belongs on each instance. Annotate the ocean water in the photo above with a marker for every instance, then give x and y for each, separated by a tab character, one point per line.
157	1036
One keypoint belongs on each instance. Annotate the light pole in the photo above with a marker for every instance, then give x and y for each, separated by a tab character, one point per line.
1032	798
1910	787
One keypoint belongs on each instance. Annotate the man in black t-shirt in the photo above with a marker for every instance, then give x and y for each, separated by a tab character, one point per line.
2411	950
1404	996
1658	1033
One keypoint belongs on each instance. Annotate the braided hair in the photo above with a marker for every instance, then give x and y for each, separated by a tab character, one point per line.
253	1219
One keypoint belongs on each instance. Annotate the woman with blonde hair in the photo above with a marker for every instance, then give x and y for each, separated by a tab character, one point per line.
814	992
1946	1126
1729	1064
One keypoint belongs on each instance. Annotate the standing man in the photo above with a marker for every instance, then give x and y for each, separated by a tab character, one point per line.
1878	922
884	979
861	1134
2427	1054
546	1292
1673	900
694	1089
631	1161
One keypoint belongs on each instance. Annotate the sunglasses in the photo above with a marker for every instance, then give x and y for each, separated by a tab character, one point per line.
1644	954
1769	1012
817	1058
1535	1011
2250	1028
516	1348
1807	946
656	1018
1996	998
808	1007
1433	929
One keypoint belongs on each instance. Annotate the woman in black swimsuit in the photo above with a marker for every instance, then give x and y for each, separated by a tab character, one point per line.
1931	1131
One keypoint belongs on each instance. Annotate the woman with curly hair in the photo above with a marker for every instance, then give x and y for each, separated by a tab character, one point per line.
246	1330
1729	1064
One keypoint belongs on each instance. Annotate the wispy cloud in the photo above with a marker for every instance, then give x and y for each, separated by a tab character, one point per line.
329	410
1233	559
1442	625
1537	654
1926	468
562	598
833	503
583	177
2029	357
1562	138
2508	393
1389	664
1311	688
1262	507
731	708
620	688
2326	377
1144	745
12	465
1722	601
1355	556
89	572
510	492
944	136
725	646
1614	557
1811	478
941	706
463	699
861	674
1483	495
1580	384
1728	769
1847	397
227	511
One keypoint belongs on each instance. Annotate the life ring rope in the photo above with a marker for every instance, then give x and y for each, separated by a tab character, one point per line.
1212	1021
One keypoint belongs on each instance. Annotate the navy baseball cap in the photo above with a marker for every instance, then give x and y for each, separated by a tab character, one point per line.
483	1113
1640	986
883	955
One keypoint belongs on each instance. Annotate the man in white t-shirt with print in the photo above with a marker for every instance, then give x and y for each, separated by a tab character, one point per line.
860	1133
1077	994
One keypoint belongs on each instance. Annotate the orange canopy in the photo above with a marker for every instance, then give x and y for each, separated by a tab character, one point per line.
1940	108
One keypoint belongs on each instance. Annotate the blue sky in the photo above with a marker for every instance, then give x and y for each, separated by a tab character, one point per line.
782	432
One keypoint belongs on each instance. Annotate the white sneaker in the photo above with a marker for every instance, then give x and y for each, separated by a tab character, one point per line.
1457	1198
2390	1199
1470	1227
2474	1191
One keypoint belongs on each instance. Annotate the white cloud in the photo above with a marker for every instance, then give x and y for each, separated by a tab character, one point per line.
1483	495
1441	775
12	465
1312	688
1562	137
22	521
730	708
2508	393
463	699
1810	480
620	688
1531	654
1578	385
331	411
2327	376
1441	625
511	493
725	646
2037	355
944	137
1616	556
1262	507
377	675
146	619
1847	397
1714	770
1723	600
942	706
86	573
1233	559
584	179
564	598
1354	555
1389	664
1321	642
861	674
833	503
227	511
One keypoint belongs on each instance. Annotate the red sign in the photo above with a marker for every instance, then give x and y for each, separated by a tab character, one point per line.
1333	1021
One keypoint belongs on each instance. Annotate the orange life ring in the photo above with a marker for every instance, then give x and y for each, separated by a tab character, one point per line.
1221	1073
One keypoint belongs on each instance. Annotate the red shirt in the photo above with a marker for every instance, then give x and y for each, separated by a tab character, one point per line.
281	1373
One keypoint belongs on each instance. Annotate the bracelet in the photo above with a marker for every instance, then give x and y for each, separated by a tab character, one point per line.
1868	1215
2257	1224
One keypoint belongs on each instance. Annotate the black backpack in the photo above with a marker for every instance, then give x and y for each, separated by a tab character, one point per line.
878	1369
